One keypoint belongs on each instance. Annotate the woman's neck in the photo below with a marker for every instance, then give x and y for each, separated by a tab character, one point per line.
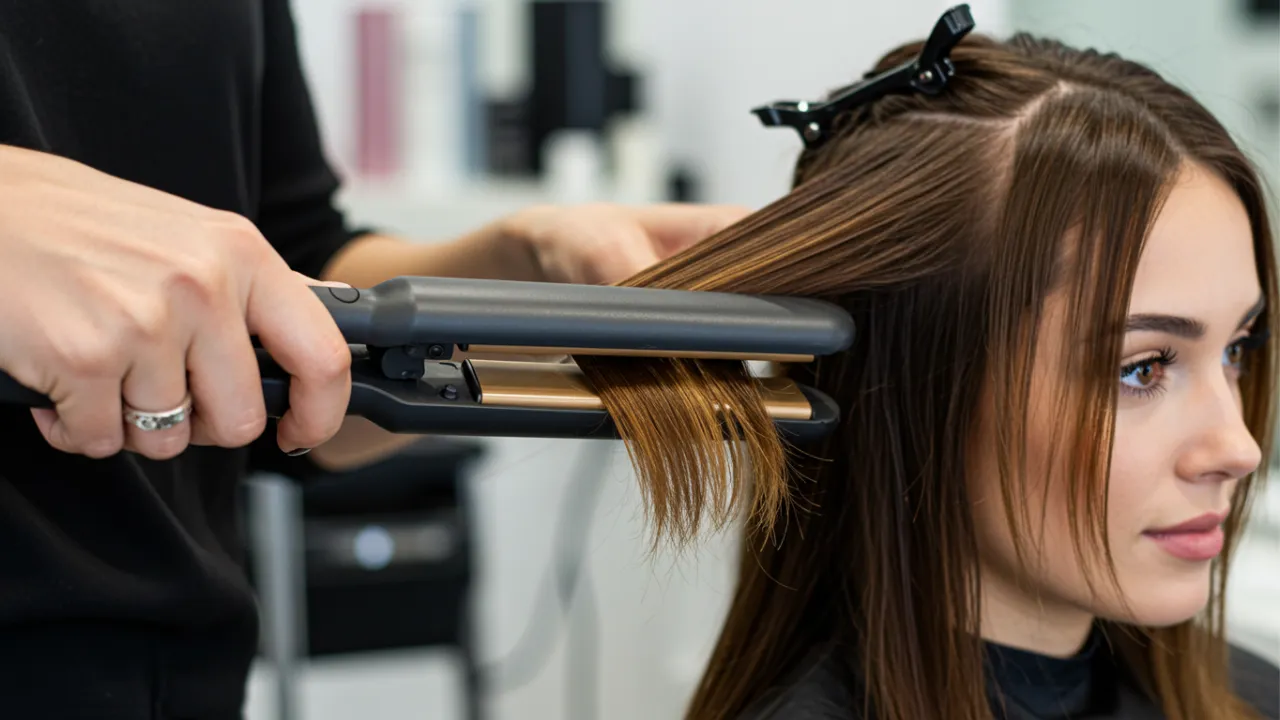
1013	618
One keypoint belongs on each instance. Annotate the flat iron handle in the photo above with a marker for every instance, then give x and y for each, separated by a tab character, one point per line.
447	405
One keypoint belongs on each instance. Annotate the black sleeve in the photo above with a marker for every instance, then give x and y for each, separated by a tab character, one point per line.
1257	682
297	214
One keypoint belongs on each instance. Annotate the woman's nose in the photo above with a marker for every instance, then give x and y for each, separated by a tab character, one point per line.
1223	447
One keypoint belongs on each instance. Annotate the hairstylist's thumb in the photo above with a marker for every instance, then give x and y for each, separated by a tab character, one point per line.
319	283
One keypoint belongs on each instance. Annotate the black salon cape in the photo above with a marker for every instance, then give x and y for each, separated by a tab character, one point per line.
122	595
1021	686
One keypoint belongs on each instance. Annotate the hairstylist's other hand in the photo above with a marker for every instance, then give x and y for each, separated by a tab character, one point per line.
116	293
604	244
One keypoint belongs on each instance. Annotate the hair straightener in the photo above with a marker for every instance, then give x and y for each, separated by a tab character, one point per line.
406	334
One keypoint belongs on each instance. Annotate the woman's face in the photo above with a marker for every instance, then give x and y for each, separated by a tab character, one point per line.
1181	444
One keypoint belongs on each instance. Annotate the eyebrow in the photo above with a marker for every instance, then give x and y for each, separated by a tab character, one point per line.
1184	327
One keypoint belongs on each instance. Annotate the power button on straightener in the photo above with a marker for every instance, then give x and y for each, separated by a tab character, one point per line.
346	295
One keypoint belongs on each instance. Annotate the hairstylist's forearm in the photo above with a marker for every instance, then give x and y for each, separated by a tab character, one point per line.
493	252
595	244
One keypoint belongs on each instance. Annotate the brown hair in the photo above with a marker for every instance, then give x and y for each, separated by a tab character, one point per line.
939	224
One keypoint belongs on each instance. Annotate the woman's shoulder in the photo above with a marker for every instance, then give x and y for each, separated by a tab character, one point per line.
1257	681
817	690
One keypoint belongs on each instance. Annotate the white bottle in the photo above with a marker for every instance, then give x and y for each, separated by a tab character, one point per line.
434	143
574	167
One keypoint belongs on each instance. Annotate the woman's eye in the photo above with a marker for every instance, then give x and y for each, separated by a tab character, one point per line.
1141	375
1238	352
1235	353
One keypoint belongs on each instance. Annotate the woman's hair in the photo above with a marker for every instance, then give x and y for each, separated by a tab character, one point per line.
940	223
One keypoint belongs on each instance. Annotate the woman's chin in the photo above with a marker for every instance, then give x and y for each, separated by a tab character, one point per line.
1162	599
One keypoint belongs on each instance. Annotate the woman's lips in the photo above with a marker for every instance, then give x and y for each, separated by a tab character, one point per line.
1198	539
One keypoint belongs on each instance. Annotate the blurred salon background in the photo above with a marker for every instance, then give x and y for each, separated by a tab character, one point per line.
506	579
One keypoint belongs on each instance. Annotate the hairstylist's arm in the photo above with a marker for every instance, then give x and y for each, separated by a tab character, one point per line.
597	244
116	293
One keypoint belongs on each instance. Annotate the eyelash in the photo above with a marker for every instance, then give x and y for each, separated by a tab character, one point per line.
1167	357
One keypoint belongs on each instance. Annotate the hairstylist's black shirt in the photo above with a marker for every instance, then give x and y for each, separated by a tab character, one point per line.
120	590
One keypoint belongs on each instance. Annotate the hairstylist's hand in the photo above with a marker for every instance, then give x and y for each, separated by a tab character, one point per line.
117	294
604	244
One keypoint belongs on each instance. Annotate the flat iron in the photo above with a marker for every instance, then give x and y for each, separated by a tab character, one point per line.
409	335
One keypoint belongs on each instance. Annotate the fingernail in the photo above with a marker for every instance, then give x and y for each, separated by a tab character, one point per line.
299	452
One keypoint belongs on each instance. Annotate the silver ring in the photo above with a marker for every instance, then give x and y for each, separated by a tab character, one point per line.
152	421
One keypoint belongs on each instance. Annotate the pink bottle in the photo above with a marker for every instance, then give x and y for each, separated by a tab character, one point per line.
378	97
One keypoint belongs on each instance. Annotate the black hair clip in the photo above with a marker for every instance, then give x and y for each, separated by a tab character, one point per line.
929	73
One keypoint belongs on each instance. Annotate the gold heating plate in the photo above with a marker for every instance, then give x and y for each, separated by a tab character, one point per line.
563	385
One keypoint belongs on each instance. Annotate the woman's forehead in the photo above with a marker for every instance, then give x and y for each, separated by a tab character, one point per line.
1199	258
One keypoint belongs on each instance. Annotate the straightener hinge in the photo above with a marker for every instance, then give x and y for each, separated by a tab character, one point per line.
408	362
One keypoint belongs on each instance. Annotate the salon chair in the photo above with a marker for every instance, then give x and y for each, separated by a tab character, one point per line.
368	560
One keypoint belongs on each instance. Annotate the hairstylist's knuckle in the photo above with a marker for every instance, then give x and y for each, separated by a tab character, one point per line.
332	361
149	322
60	442
235	227
228	404
164	446
313	429
102	443
242	430
88	354
239	237
329	372
198	274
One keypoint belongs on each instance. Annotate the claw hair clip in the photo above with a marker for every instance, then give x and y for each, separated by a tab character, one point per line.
928	73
